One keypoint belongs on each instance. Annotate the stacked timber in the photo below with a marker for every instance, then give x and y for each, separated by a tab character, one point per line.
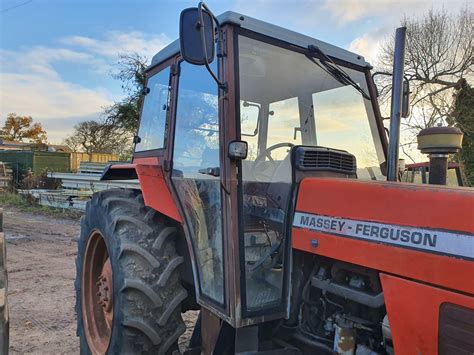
6	175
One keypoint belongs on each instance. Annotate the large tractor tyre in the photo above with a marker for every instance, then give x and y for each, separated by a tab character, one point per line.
128	288
4	328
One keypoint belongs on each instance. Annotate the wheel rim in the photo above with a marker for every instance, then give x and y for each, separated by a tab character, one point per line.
97	294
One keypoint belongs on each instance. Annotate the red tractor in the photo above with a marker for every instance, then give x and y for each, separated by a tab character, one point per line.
256	208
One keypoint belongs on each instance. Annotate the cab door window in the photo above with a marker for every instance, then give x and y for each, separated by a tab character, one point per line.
154	117
196	173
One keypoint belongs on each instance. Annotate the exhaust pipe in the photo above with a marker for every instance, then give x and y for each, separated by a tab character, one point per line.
396	104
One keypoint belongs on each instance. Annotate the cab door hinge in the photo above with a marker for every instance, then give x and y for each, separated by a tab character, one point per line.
167	165
221	45
174	69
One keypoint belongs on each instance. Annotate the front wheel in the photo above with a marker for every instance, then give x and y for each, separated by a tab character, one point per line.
128	288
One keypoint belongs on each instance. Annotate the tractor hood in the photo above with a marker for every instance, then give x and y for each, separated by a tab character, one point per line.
416	231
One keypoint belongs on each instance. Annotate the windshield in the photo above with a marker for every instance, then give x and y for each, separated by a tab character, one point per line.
296	101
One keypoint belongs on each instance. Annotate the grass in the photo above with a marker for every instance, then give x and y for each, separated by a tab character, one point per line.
10	200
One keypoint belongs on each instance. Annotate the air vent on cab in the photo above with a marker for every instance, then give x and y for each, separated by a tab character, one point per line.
324	159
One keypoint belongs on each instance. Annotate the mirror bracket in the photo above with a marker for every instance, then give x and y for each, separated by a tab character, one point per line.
222	85
405	94
199	37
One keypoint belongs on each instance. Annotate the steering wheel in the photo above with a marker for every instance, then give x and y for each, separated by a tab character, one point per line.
266	154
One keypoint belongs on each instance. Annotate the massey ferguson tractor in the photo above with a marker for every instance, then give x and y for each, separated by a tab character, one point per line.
256	207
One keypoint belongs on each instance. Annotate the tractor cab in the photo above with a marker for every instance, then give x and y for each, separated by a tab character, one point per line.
238	111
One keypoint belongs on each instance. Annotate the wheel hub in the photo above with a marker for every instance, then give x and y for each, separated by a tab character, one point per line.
105	292
97	294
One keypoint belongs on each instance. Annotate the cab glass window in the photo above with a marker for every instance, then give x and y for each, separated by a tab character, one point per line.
154	118
196	173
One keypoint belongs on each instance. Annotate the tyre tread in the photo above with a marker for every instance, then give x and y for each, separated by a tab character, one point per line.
143	288
144	328
149	291
138	250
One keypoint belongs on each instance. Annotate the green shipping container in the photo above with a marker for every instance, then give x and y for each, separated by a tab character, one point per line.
37	161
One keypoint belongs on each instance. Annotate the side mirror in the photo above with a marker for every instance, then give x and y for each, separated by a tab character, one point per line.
238	150
196	36
406	99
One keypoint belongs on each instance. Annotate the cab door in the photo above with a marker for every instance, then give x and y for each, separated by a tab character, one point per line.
196	175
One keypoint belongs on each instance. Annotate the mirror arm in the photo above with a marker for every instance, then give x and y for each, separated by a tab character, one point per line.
222	85
406	91
220	49
246	104
381	73
387	74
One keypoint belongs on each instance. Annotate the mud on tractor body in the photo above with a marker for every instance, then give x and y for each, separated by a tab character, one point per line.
255	152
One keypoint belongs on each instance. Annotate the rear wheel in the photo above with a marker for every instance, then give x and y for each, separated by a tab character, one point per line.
128	288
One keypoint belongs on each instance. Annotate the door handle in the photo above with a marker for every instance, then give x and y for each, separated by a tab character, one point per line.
216	171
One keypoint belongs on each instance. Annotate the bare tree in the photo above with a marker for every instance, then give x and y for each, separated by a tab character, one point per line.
99	137
439	57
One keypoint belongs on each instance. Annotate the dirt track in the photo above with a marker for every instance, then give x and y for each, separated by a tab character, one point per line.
41	254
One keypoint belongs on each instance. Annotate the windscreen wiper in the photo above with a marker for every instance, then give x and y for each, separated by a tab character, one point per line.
328	65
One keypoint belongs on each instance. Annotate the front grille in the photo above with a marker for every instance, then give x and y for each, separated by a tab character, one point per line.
324	159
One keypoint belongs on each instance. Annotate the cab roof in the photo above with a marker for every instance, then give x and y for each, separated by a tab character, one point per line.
269	30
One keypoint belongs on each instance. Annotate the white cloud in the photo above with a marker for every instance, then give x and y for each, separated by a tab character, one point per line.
116	43
370	44
350	10
40	60
347	11
46	97
32	84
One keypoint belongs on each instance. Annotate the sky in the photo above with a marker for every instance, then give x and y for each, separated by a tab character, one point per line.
57	56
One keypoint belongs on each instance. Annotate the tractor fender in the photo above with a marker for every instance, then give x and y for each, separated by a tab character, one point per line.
153	185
